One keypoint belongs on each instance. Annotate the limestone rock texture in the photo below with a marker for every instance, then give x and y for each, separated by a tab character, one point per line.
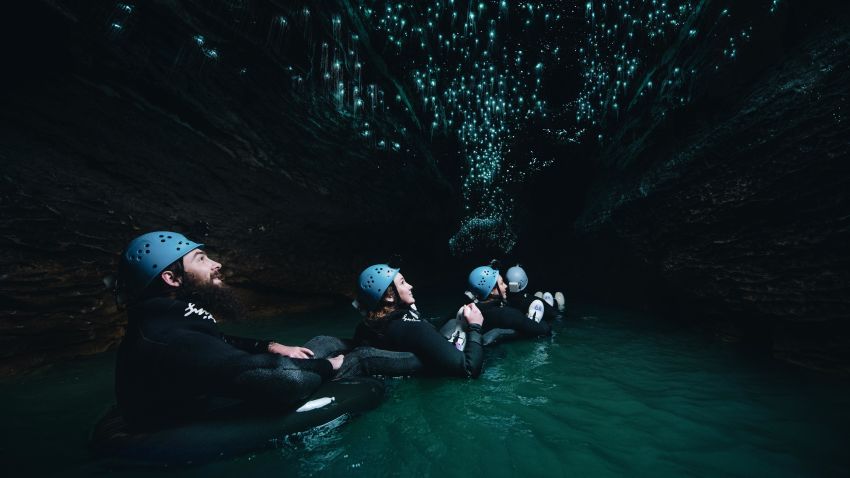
730	212
106	136
734	211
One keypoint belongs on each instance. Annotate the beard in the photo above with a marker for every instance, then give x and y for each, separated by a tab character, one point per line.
219	299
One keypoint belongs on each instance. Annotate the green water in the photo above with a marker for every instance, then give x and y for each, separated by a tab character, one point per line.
611	393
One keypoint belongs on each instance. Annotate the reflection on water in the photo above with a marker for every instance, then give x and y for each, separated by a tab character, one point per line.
610	393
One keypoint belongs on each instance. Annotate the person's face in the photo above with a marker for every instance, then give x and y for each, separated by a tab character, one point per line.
200	269
404	289
501	288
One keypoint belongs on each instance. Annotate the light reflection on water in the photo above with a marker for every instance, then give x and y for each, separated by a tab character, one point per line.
611	393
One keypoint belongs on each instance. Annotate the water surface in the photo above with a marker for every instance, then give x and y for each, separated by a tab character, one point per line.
611	393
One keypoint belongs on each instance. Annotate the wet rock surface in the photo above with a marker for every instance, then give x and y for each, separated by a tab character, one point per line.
104	138
734	212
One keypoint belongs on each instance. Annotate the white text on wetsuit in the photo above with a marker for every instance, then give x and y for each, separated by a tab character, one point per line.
410	318
190	309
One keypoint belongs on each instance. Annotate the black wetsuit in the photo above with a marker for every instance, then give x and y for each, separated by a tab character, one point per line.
522	300
174	366
404	331
499	316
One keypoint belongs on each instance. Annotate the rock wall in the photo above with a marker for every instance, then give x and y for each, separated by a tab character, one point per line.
105	134
735	210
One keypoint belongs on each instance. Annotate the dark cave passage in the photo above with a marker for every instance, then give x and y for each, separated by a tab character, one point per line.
686	157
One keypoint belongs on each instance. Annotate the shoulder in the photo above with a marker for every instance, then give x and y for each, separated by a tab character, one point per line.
489	304
407	317
165	309
363	331
411	325
395	326
401	315
157	306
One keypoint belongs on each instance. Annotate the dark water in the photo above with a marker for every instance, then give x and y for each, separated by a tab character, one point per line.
612	393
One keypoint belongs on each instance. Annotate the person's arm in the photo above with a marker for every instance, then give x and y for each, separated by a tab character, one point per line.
204	364
439	322
256	346
324	346
439	355
510	318
253	346
474	351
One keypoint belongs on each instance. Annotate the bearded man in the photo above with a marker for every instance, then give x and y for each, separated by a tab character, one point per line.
174	365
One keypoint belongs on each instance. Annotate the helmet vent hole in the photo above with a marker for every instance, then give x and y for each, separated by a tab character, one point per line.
154	266
178	248
162	240
147	251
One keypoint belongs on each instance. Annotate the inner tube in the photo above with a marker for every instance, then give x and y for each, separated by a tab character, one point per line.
235	431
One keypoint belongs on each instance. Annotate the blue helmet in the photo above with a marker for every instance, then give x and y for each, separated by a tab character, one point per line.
482	280
148	255
373	282
516	274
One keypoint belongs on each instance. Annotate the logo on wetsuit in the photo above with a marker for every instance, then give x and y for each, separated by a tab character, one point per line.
190	309
412	315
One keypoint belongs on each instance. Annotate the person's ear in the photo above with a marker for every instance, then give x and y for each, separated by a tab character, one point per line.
170	278
389	298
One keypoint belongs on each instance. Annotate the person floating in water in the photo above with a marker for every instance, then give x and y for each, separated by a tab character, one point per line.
174	363
489	291
392	322
552	306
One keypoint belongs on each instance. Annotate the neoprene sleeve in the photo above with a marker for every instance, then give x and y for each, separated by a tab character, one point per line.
253	346
499	317
172	360
474	352
437	354
405	332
